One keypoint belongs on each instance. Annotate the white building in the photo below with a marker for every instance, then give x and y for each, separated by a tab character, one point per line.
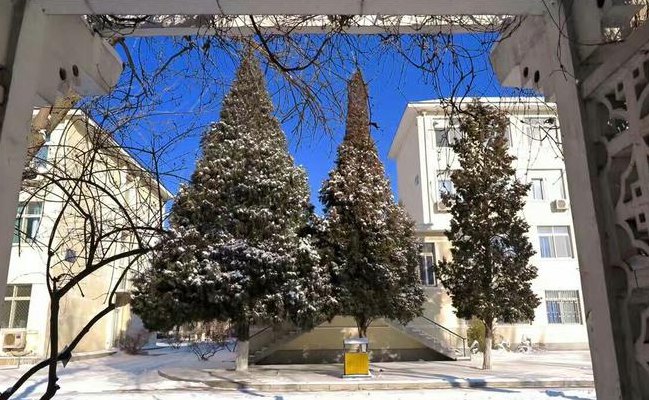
24	322
424	161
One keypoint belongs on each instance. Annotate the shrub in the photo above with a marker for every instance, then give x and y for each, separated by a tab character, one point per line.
133	342
209	338
476	332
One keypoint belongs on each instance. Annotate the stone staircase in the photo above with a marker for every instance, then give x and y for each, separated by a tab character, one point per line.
270	338
435	336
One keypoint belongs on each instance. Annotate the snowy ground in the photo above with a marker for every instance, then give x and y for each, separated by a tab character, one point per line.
124	377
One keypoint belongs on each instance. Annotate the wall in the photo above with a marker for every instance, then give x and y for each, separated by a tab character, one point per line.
409	179
325	342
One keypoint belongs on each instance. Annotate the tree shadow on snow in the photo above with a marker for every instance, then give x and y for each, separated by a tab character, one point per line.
557	393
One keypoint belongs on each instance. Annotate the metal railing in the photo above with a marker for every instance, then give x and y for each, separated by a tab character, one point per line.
268	335
445	337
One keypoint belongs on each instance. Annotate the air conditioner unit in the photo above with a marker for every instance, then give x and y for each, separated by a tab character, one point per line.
444	206
13	339
561	204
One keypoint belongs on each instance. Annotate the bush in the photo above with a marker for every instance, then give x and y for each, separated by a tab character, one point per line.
206	349
133	342
209	338
476	332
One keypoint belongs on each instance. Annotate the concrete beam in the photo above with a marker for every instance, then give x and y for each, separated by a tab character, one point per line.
295	7
181	25
90	67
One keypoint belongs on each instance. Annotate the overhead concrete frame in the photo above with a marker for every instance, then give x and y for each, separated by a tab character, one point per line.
558	50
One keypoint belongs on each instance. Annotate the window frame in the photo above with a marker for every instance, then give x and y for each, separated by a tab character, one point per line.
542	188
23	216
553	235
451	133
425	269
11	300
560	299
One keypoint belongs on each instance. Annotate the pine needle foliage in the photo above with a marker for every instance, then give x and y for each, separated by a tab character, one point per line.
241	246
370	239
489	276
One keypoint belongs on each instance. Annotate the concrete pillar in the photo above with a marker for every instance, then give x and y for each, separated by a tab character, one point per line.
21	47
615	370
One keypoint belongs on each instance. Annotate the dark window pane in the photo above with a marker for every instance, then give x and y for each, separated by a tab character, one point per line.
31	227
430	269
16	238
20	314
34	207
422	269
23	290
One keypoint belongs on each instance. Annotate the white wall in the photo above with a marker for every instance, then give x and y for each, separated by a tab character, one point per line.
409	174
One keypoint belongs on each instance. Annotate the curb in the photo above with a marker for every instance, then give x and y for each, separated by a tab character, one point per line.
373	384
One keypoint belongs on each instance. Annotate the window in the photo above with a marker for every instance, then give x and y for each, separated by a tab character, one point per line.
40	158
533	128
537	189
427	265
15	308
446	137
445	186
28	218
555	241
539	128
563	306
508	136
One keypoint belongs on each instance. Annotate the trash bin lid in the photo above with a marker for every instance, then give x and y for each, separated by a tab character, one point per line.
355	341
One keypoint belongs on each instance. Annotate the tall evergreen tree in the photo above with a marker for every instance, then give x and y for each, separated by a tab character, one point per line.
489	276
241	245
371	240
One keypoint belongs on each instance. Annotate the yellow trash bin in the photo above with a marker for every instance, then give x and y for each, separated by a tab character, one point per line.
357	360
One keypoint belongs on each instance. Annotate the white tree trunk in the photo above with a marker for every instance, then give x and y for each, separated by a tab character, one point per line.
241	362
488	344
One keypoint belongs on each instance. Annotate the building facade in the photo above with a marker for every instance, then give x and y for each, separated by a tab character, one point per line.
421	149
74	147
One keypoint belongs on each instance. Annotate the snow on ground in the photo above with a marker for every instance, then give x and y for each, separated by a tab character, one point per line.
126	377
443	394
120	372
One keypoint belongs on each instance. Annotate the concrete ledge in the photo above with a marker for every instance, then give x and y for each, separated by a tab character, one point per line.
89	355
14	361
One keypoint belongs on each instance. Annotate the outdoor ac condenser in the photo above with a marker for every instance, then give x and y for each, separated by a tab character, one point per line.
443	206
13	339
561	204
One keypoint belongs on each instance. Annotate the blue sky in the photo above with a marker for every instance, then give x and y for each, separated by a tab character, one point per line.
187	107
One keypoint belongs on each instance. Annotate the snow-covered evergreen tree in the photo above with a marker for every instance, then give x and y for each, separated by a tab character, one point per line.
241	245
370	239
489	276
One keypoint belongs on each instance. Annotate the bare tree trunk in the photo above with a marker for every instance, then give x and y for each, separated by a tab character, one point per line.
362	324
52	378
488	344
243	346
